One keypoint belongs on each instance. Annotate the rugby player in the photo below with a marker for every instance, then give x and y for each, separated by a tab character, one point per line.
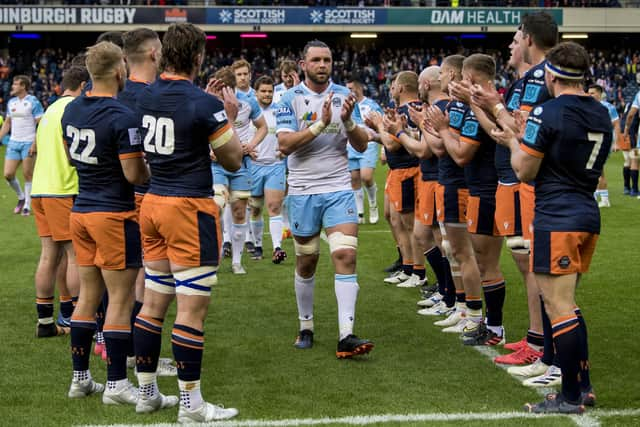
180	220
314	125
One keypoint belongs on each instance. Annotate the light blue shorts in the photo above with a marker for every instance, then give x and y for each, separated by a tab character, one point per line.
271	177
309	213
17	150
239	180
368	159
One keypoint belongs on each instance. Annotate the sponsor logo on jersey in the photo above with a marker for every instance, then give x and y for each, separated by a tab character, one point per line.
310	116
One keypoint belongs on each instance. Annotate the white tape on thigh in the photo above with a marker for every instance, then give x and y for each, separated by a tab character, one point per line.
338	240
634	153
256	203
159	281
239	195
220	195
312	247
518	244
196	281
627	159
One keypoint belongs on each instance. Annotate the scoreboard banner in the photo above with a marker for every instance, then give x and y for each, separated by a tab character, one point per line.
281	16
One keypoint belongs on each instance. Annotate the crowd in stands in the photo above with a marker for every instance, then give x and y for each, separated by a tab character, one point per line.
617	72
359	3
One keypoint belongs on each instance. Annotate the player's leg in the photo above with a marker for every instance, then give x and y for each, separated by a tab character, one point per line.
12	160
83	321
603	191
28	162
274	195
240	191
341	226
45	279
356	185
256	224
397	264
633	171
221	196
401	191
159	292
626	172
369	186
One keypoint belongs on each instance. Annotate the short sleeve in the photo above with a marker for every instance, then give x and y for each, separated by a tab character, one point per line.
285	115
470	130
256	111
9	109
534	91
215	122
128	136
636	101
613	113
36	108
538	133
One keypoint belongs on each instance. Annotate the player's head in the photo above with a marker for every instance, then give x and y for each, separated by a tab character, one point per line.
105	62
356	87
286	70
450	71
597	92
264	90
567	65
316	62
74	78
539	30
516	59
142	46
21	85
479	69
226	76
428	81
405	87
183	49
114	37
242	70
79	60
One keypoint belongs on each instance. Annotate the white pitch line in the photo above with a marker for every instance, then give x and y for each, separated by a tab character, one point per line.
585	420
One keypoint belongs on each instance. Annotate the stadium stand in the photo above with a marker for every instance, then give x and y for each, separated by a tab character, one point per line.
359	3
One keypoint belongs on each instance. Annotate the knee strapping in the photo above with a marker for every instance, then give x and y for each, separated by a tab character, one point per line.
256	203
220	195
340	240
627	159
159	281
239	195
312	247
196	281
518	245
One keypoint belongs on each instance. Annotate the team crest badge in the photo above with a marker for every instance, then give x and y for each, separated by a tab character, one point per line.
538	73
337	102
537	111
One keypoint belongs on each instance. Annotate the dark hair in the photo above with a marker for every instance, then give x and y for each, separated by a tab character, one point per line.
313	43
355	81
114	37
135	43
571	56
482	63
181	44
542	29
262	80
597	87
24	81
287	65
226	75
80	59
74	76
455	62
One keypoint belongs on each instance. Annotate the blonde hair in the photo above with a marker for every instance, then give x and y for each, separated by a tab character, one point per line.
103	60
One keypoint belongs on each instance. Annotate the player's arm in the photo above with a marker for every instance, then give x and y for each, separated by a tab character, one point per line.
627	124
261	132
375	121
135	169
616	131
6	127
526	156
226	147
460	148
358	137
396	126
289	137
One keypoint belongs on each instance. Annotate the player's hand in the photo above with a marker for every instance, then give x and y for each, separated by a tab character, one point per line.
214	87
418	116
393	124
503	134
230	103
326	110
348	106
461	91
374	121
485	99
521	123
295	77
438	120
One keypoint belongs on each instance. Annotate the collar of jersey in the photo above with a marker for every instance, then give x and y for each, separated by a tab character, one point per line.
164	76
325	92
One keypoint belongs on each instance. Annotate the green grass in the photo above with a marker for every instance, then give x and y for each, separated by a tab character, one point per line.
249	362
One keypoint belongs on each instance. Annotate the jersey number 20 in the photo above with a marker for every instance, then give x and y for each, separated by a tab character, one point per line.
160	136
